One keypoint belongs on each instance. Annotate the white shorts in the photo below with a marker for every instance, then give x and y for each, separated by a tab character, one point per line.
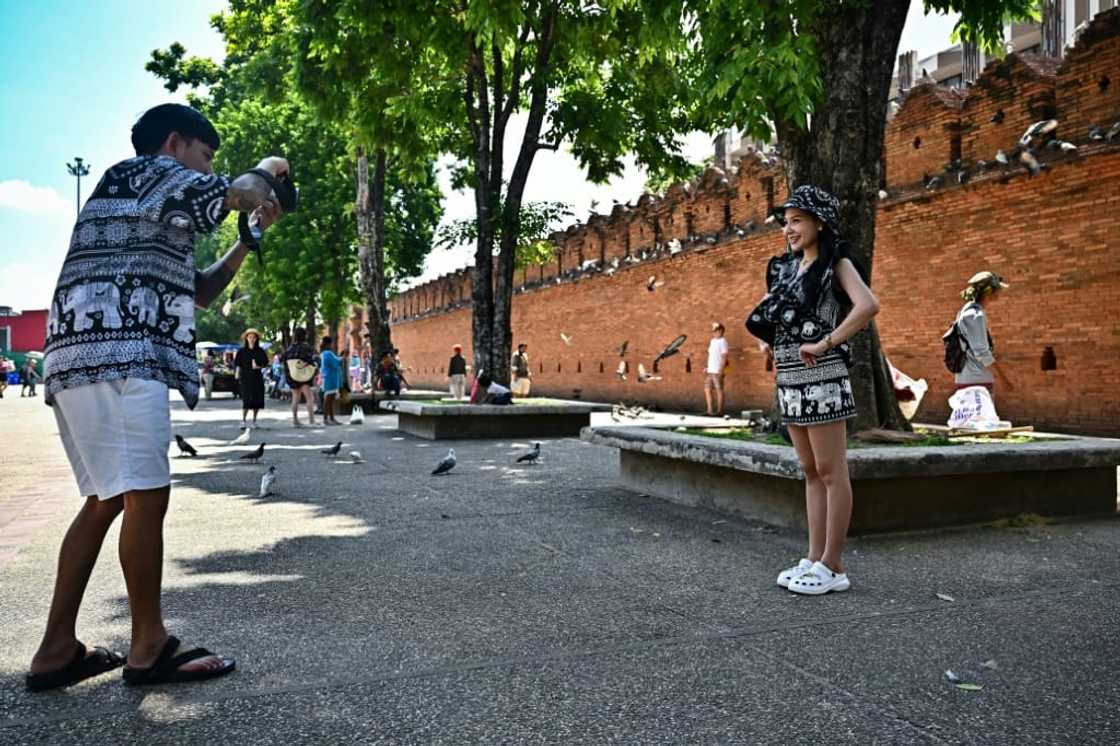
520	386
116	435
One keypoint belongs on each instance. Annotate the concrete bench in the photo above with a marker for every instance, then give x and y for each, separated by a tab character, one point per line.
894	488
370	403
450	421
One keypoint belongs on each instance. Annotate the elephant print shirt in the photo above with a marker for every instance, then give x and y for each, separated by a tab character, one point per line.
124	303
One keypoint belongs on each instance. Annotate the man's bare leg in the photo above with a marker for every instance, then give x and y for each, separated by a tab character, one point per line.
76	559
141	551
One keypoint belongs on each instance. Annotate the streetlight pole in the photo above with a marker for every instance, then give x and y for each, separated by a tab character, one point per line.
78	169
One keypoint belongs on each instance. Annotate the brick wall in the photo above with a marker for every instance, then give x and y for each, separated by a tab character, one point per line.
1050	236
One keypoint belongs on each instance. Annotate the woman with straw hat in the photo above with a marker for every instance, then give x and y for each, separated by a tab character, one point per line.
249	366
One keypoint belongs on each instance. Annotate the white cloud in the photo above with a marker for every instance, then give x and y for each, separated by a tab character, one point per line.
27	286
23	196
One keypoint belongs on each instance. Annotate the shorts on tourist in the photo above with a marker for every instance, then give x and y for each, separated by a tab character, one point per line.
713	381
520	386
116	435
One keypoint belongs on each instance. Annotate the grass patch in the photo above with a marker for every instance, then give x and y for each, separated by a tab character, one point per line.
744	434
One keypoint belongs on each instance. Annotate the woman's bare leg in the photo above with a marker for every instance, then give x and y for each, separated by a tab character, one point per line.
816	503
830	450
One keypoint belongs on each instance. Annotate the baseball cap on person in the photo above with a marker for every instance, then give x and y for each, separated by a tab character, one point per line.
154	125
981	281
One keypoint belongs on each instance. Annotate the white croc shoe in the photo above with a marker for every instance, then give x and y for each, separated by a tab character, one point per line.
818	579
792	572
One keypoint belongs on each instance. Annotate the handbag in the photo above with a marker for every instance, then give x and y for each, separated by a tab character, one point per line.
300	371
357	415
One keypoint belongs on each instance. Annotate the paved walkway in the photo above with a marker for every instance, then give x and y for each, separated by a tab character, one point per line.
373	603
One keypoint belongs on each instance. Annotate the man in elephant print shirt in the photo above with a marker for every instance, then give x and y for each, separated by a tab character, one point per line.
120	335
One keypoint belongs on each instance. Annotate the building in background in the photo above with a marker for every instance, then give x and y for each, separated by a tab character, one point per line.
956	66
22	333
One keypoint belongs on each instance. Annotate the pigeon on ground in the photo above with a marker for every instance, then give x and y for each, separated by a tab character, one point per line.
243	438
268	481
356	456
652	284
621	372
253	456
447	464
532	456
565	339
185	448
643	376
333	450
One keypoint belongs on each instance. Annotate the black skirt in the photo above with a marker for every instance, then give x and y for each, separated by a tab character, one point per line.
252	389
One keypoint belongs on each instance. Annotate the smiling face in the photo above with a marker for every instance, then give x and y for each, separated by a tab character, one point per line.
801	229
251	339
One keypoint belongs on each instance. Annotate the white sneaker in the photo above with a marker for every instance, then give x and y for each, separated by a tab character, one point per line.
790	573
819	579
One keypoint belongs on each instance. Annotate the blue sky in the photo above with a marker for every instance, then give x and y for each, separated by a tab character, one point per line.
72	82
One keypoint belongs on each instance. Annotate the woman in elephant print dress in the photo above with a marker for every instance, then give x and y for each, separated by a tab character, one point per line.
800	320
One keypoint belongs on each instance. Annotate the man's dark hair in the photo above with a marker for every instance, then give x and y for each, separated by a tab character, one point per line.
484	381
325	344
521	345
300	334
154	125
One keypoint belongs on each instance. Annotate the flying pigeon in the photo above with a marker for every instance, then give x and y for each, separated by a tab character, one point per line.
675	246
934	183
532	456
253	456
1066	147
962	177
1103	83
652	284
1002	158
565	339
234	298
643	376
241	439
671	349
1026	157
771	219
1045	127
185	448
883	194
1096	133
356	456
997	117
622	348
447	464
333	450
268	481
1113	132
621	372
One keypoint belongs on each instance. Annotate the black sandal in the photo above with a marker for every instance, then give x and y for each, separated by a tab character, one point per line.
80	668
165	670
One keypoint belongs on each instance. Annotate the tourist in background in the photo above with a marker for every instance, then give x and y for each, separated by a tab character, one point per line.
800	319
457	372
714	371
28	375
300	368
519	366
388	375
6	367
984	289
248	367
491	392
331	366
208	373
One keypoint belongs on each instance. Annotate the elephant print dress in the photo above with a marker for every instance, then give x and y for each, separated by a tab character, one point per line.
822	393
124	303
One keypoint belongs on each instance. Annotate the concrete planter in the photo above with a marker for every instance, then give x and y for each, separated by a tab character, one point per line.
371	404
461	421
894	488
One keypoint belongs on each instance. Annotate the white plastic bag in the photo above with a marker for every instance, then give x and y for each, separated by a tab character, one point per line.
357	415
908	391
974	409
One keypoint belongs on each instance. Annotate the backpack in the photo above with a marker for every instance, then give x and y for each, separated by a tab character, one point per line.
956	348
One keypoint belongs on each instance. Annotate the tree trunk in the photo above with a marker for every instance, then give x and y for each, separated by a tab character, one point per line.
309	323
369	212
841	152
